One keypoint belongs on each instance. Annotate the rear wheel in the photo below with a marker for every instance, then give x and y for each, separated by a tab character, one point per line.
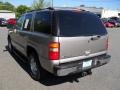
36	70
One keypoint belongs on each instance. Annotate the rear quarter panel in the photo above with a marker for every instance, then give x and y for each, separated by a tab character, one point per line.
41	44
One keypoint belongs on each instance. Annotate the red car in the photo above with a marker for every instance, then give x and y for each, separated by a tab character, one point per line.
12	21
108	24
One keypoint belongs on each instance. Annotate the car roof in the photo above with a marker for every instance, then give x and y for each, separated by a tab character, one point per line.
57	9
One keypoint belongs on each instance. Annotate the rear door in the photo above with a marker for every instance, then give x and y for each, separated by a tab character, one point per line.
82	34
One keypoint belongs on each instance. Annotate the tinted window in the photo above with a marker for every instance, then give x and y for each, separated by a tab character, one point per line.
72	23
27	22
42	22
19	23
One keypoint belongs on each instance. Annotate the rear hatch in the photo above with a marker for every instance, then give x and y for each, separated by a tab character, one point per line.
81	34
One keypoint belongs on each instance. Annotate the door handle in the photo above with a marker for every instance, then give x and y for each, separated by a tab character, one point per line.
95	37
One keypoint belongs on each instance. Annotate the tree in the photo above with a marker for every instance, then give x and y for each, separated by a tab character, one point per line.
7	6
22	9
39	4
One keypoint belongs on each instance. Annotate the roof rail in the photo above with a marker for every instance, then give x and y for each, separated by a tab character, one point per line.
57	8
49	8
69	8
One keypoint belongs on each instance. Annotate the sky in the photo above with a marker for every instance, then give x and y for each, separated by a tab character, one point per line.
109	4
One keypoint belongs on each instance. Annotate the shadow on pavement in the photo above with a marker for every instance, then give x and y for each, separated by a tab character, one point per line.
50	79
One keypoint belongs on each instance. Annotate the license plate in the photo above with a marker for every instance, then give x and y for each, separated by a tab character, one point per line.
87	64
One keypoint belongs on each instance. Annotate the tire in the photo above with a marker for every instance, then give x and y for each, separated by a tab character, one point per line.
89	72
36	71
10	47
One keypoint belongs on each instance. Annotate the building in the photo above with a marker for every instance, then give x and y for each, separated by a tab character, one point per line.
7	14
101	12
106	13
95	10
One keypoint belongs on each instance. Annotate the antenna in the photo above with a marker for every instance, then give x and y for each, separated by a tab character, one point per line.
52	3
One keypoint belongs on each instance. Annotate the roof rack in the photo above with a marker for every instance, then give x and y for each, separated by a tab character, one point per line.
69	8
49	8
57	8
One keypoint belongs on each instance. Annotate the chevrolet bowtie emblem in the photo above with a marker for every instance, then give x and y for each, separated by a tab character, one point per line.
87	52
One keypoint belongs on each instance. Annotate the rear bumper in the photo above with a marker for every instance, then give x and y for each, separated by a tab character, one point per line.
76	67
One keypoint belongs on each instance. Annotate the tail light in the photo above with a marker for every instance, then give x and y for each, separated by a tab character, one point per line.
54	51
106	44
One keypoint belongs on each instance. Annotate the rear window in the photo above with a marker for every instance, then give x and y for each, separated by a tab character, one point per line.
79	24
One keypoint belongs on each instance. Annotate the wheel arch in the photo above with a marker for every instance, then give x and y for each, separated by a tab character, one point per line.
30	50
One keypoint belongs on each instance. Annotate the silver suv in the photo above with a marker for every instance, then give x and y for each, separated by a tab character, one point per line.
60	41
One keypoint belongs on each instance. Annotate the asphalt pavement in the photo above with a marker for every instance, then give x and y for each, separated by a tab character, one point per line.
14	73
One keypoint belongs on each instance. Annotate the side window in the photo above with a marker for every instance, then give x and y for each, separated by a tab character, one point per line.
42	22
20	23
27	22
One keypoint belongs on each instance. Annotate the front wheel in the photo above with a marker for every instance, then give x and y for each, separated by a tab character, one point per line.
10	47
89	72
